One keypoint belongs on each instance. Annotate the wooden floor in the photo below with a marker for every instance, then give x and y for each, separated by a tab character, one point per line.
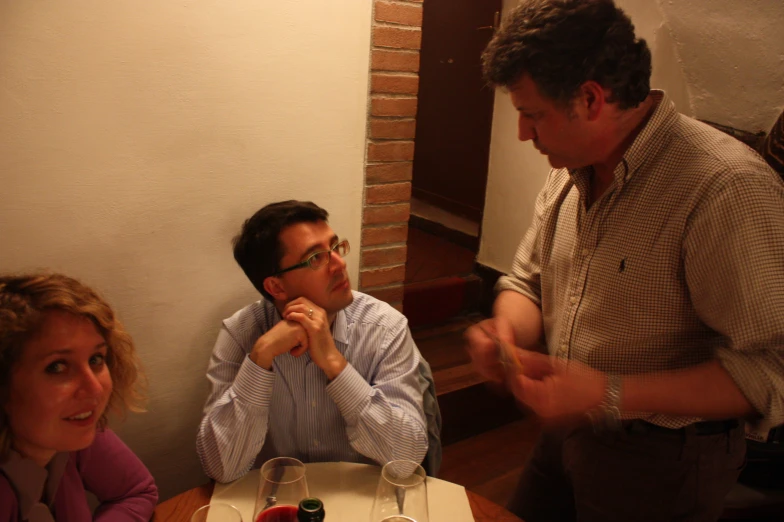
490	463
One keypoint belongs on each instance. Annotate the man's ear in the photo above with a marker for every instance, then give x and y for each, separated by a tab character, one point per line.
274	287
592	99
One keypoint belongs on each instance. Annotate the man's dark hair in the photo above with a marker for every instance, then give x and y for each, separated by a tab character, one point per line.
257	248
562	44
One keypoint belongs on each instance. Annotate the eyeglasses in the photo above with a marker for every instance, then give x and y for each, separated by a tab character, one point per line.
318	259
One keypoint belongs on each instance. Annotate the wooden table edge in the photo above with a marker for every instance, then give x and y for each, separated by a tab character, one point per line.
181	507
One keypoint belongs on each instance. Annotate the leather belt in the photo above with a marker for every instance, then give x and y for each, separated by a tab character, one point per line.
716	427
700	428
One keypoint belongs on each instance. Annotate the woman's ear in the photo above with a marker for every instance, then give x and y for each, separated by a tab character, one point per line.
274	287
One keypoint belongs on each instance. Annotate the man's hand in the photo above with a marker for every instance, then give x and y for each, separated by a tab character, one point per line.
557	390
286	336
483	349
321	345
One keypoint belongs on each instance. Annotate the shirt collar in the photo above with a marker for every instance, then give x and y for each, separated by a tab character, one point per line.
31	481
340	328
649	141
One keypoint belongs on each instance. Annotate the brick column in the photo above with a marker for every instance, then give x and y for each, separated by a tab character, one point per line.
397	36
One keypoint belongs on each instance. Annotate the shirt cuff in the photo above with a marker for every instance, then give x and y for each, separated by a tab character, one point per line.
348	391
253	384
508	282
758	379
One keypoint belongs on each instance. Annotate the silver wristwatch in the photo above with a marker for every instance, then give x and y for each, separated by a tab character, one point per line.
607	417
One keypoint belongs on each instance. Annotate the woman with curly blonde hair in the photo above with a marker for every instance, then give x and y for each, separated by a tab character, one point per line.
65	363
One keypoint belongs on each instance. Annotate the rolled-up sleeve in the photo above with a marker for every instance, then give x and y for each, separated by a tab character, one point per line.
525	277
734	268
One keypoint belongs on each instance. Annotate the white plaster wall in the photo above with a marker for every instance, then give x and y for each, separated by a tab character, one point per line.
732	52
719	60
668	68
516	172
135	137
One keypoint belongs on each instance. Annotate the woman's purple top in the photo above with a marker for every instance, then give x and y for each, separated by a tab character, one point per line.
107	468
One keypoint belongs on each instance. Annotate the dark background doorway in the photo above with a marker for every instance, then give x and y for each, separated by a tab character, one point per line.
453	125
455	106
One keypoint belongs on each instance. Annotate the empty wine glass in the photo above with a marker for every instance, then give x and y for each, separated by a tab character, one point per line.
218	512
401	495
282	485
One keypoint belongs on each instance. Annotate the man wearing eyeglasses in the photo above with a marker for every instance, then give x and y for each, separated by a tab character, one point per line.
313	370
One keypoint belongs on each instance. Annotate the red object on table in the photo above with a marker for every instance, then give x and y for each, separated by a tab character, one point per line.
278	514
181	507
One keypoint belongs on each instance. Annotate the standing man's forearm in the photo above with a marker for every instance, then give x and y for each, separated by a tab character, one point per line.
706	391
516	320
524	316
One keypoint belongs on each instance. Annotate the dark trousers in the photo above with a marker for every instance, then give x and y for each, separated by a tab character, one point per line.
641	473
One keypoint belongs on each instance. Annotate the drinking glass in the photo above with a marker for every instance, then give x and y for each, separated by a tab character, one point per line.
218	512
401	495
282	485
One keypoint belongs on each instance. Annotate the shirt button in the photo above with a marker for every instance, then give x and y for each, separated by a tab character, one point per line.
313	403
573	300
315	443
585	252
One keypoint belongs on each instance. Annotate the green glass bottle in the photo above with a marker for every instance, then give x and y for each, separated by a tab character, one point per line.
311	510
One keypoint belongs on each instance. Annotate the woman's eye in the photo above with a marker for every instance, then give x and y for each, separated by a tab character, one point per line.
97	360
56	367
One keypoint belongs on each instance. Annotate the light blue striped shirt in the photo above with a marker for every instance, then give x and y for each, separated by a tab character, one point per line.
371	412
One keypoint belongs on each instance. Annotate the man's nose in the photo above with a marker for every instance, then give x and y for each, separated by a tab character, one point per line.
336	261
525	131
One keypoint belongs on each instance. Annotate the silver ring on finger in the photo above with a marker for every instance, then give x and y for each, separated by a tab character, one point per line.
310	313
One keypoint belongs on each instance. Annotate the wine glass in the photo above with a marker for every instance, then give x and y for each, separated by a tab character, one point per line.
401	495
218	512
281	488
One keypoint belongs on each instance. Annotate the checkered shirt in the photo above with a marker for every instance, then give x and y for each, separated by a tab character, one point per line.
680	262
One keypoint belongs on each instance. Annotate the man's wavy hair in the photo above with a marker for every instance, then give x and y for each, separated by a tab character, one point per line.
562	44
24	303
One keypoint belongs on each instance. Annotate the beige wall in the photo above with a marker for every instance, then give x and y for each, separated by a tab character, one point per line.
733	58
717	60
135	137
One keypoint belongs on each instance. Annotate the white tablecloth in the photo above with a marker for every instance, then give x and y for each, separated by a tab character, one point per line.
347	491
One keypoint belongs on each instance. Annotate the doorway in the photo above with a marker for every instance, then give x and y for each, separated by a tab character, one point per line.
453	127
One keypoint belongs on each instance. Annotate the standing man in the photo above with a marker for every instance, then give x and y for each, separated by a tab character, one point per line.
653	271
313	370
